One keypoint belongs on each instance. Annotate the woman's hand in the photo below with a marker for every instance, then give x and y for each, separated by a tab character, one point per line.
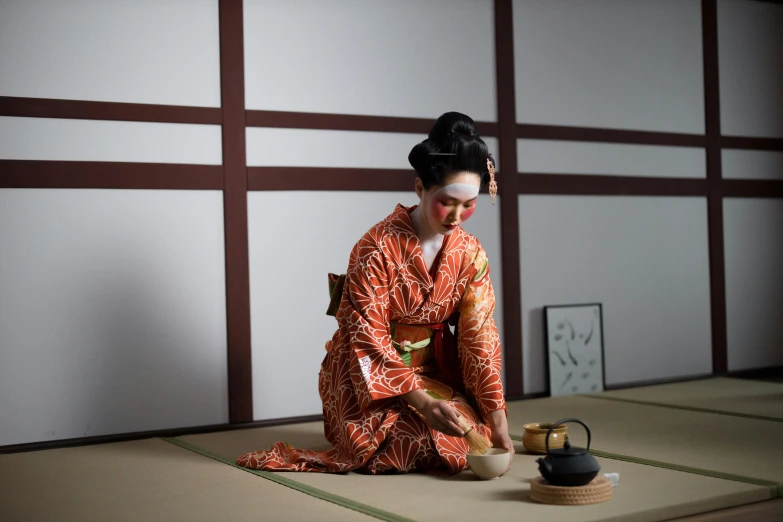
499	426
443	417
440	415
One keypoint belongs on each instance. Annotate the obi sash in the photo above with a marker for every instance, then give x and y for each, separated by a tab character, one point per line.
336	285
424	348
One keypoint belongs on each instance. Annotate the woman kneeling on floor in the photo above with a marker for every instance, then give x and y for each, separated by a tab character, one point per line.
396	380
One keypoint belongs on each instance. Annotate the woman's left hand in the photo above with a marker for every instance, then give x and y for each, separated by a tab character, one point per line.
499	438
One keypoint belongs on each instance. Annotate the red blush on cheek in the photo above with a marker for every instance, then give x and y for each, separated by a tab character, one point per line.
439	212
468	212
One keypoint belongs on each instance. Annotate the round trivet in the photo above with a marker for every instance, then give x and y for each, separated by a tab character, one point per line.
597	491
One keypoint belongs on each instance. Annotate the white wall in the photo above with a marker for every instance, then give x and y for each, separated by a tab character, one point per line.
94	140
644	258
112	312
751	164
573	157
751	82
606	63
753	246
417	58
141	51
625	65
112	302
331	148
750	51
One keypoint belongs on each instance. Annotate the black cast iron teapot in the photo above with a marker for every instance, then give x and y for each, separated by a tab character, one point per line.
568	466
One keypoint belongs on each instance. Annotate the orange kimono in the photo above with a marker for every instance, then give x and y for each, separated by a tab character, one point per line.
395	336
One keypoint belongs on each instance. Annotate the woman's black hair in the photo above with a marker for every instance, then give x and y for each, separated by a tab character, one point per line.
453	145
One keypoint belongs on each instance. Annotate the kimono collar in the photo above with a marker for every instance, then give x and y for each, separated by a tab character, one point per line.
444	274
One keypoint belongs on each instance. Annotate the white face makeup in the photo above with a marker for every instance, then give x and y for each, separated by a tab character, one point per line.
452	205
458	191
443	210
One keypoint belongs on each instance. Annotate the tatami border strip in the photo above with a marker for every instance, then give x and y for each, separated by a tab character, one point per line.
775	487
293	484
687	408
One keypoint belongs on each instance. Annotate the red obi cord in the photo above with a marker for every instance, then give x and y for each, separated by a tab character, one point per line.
444	347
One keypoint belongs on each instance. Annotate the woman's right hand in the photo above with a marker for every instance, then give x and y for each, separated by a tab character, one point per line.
443	417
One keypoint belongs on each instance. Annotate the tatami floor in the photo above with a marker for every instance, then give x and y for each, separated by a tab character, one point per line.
701	450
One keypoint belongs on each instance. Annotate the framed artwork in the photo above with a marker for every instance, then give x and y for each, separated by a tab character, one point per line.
575	348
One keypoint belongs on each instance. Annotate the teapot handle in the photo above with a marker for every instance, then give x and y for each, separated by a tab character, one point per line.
563	421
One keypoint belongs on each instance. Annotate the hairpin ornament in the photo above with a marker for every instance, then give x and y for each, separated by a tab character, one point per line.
493	186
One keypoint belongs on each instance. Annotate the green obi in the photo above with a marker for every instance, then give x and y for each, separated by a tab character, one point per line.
336	285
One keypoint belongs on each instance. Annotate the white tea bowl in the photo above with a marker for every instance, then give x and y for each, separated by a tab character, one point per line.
490	465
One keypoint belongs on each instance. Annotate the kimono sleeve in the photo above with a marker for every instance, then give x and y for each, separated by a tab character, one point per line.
478	340
377	372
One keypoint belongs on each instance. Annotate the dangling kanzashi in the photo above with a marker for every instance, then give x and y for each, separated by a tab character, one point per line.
493	186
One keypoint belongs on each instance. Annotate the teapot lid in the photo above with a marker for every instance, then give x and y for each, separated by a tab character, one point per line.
567	451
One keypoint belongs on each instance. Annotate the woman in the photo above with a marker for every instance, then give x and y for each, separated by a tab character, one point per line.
396	380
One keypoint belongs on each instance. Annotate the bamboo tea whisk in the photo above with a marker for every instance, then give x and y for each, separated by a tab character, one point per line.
477	443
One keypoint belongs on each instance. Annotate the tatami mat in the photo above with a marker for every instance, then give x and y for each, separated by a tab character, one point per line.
644	494
719	443
746	398
146	481
675	456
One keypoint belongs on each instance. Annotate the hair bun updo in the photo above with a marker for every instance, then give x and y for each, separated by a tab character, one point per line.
452	145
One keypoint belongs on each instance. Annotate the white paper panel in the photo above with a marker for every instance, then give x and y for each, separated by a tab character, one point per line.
112	312
141	51
753	245
751	164
416	58
124	141
750	51
644	258
605	63
571	157
326	148
296	238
